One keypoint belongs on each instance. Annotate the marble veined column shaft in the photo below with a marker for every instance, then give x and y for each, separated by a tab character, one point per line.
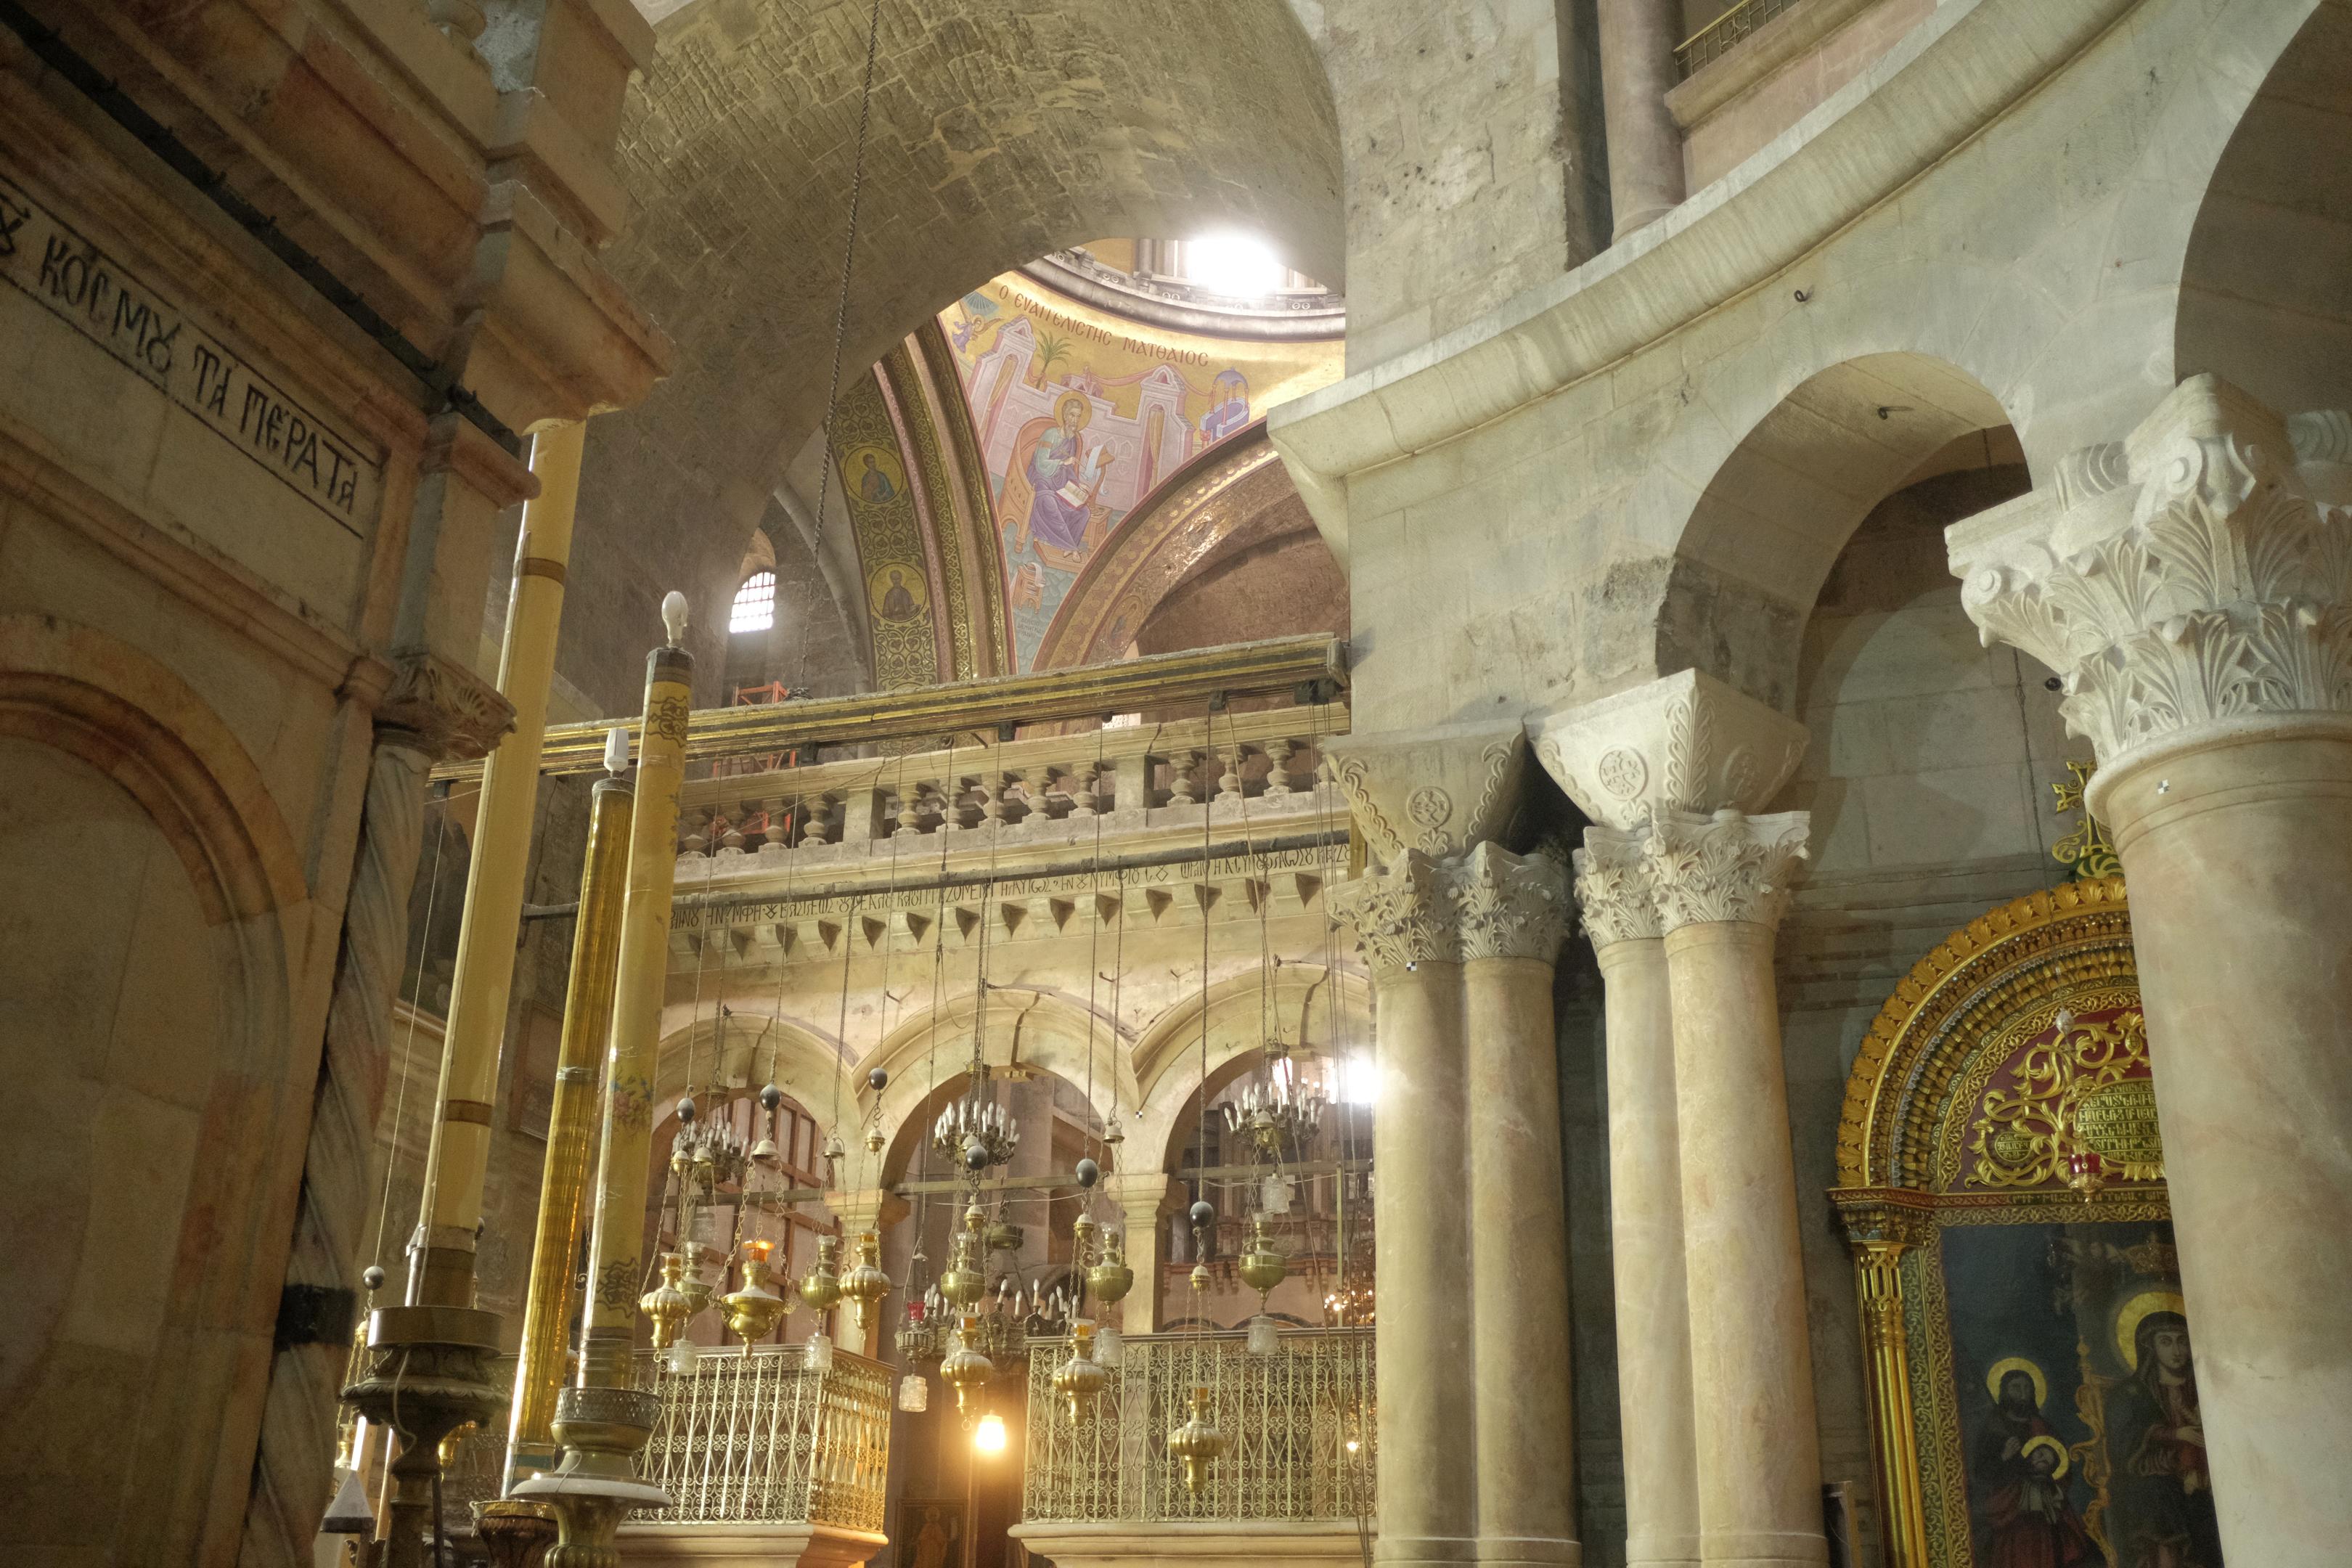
1645	1201
1722	884
2192	586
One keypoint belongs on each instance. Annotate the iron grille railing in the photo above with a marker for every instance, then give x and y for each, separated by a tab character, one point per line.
751	1439
1297	1423
1720	37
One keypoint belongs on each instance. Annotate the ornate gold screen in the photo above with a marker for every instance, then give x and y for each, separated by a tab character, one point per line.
2005	1084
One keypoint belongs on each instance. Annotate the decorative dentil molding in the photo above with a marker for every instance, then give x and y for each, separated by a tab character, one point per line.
1726	866
1616	887
2199	570
1489	904
452	713
1436	791
1684	742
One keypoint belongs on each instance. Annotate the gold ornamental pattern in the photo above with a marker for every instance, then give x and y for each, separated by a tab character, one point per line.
2084	1089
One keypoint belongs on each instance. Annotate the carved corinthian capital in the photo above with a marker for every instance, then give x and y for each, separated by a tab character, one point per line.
1685	741
1400	914
1616	887
1507	905
2199	570
1489	904
1726	866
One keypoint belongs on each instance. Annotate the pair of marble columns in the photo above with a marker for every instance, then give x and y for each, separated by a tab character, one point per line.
1476	1411
1682	892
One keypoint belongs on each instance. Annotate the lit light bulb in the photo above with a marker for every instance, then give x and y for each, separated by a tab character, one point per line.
989	1437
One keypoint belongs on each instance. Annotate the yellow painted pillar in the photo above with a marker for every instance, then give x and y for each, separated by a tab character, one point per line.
572	1122
441	1261
603	1418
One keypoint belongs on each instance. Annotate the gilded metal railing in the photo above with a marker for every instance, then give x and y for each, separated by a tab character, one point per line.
1720	37
761	1438
756	1439
1298	1425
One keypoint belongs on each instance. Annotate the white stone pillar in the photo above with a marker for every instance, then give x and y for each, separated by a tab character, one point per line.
1722	883
1689	1385
1449	901
1511	912
1645	1206
1645	147
2192	584
1427	1465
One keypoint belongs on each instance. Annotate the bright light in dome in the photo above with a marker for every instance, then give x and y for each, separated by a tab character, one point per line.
1233	265
989	1437
1360	1080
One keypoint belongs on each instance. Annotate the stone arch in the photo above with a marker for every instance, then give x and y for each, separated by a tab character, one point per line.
150	943
2263	301
1027	1027
749	1043
1769	506
1168	1053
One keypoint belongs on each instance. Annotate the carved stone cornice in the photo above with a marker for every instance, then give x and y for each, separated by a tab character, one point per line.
1507	905
1724	867
1616	887
2199	570
1683	741
1489	904
1434	792
447	710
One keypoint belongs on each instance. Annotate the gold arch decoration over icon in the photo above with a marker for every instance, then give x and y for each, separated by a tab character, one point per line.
2055	1445
2001	1370
2127	1321
1952	1044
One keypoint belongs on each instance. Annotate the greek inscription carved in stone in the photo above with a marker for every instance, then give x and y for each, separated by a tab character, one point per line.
133	322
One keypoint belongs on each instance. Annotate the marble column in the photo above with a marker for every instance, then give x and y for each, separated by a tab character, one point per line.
1511	912
1672	750
1645	1206
1427	1468
1722	883
1645	147
2192	586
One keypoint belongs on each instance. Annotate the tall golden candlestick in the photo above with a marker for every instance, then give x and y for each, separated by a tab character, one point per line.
603	1419
572	1122
441	1257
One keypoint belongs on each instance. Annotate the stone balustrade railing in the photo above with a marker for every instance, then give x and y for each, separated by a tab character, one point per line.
1298	1428
1215	763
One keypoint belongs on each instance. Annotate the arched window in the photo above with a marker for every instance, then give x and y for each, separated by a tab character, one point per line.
755	604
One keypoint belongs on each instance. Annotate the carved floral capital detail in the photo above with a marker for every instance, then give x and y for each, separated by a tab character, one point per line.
2199	570
455	714
1489	904
1616	887
1726	866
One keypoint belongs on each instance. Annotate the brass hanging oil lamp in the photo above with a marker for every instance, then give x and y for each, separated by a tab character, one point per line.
820	1288
1197	1442
866	1285
964	1368
753	1311
667	1303
1079	1379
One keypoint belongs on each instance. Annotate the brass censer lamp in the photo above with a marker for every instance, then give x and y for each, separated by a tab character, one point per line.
753	1311
1197	1442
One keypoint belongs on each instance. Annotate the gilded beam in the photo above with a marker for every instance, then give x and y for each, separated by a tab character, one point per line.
1156	680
